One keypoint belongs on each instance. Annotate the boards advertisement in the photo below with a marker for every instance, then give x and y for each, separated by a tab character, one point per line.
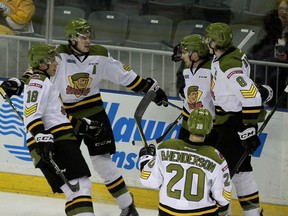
270	161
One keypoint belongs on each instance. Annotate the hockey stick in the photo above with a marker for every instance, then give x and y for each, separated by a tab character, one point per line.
246	153
246	39
144	103
161	138
73	188
5	96
141	108
171	104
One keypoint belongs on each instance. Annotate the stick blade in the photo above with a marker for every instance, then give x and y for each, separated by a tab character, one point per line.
144	103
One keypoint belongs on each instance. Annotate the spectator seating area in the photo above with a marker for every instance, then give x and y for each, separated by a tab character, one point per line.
156	24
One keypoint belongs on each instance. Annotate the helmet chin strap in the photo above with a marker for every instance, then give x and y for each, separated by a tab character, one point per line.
211	48
193	61
73	46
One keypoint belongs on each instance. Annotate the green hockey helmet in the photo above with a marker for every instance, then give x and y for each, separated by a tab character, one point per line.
194	43
221	33
76	27
41	53
200	122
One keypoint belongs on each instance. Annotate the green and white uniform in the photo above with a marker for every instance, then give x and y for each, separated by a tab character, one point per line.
232	88
78	80
44	113
237	102
197	92
198	82
192	177
80	83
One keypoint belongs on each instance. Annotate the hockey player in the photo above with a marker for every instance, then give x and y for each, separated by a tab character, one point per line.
197	76
50	133
82	67
193	177
238	109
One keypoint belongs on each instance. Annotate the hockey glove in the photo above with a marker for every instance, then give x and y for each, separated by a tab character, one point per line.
90	128
44	146
249	138
266	92
13	86
160	94
145	155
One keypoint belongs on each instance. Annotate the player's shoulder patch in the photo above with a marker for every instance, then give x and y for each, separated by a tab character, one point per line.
126	67
41	77
35	76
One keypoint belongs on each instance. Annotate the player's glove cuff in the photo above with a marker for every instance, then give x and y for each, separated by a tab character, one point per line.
249	138
90	128
13	86
152	85
145	155
266	92
143	160
44	145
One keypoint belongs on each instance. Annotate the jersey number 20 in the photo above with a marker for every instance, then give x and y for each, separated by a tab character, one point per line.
192	174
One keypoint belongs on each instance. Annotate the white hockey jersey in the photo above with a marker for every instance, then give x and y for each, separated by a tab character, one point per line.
78	78
192	178
197	88
232	88
43	110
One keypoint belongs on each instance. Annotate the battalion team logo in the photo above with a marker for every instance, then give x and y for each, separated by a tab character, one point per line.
12	126
193	97
79	84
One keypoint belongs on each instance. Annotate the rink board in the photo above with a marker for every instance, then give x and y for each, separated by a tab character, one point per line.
270	161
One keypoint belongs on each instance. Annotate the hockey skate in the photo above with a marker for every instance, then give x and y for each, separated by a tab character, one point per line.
129	211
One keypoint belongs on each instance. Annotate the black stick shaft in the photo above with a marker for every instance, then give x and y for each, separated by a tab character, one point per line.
161	138
141	108
171	104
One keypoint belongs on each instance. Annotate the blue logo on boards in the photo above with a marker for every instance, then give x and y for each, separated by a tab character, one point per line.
124	129
12	125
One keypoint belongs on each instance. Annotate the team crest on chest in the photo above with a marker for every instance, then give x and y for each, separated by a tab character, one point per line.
79	84
193	97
